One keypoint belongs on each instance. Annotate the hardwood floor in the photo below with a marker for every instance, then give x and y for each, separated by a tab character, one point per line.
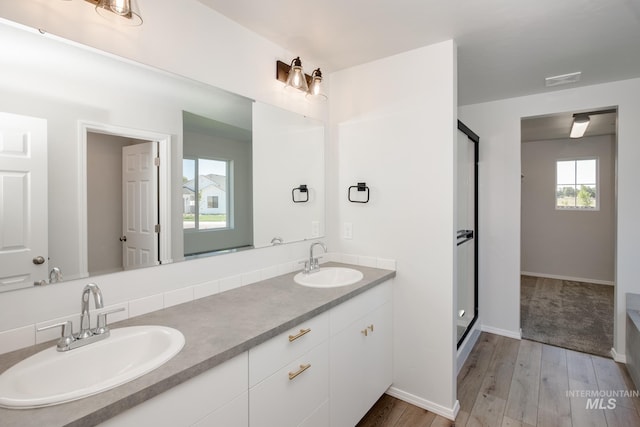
519	383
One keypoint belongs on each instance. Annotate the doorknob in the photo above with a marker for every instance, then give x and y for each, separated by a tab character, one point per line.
123	239
38	260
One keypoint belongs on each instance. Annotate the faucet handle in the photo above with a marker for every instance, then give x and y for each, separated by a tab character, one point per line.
101	328
66	337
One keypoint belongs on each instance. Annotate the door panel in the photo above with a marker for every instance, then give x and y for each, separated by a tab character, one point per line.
466	193
140	205
23	200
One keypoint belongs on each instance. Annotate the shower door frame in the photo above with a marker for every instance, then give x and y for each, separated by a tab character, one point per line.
476	152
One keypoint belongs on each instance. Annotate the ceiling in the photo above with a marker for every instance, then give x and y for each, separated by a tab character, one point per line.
506	48
558	126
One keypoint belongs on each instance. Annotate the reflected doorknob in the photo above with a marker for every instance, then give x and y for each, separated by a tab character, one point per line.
123	239
38	260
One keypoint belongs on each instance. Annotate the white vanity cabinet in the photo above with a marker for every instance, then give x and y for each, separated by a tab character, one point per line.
361	354
289	377
327	371
216	398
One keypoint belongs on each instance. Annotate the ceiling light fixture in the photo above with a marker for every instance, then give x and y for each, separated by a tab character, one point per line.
579	125
294	78
118	11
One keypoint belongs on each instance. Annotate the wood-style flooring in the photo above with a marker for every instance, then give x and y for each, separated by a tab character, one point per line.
508	383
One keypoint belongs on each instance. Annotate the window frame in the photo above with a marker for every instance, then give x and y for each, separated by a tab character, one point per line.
575	183
228	199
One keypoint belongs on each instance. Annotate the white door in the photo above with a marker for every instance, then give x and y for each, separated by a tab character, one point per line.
140	205
23	201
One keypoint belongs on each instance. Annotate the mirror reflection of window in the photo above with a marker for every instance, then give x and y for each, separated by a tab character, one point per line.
206	199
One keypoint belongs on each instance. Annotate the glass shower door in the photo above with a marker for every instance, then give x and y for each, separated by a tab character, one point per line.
466	235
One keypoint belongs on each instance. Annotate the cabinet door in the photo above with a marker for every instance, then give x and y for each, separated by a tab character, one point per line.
222	388
292	394
361	365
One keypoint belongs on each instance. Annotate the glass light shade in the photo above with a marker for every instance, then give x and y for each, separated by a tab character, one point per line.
315	89
118	12
296	78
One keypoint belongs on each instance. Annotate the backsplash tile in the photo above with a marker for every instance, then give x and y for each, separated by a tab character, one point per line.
178	296
138	307
229	283
15	339
206	289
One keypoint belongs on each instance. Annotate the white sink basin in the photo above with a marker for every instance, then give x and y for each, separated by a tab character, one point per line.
329	277
51	377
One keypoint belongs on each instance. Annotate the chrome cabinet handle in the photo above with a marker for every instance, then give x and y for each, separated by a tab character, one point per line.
303	368
299	334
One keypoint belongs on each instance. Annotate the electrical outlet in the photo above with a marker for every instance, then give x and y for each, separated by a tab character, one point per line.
315	229
348	231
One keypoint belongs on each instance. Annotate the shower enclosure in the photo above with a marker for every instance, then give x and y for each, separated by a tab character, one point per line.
467	230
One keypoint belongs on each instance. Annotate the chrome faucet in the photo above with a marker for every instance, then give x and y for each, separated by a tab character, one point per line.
312	264
55	275
69	340
85	321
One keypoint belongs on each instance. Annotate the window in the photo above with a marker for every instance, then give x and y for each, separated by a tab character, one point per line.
577	184
205	198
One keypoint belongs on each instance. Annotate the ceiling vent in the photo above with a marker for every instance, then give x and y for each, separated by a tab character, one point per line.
562	79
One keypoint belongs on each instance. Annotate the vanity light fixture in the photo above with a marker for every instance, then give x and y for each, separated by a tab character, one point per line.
579	125
118	11
294	78
315	89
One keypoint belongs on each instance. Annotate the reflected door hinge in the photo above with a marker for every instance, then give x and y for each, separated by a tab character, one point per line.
156	161
157	228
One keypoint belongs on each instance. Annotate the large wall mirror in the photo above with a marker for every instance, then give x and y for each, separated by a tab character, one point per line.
107	165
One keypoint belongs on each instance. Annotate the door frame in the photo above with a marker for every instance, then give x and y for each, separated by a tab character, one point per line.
164	185
476	153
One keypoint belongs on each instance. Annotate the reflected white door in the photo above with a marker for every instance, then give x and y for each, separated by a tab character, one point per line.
23	201
140	205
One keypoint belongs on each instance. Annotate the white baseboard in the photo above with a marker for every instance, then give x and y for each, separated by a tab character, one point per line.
504	332
448	413
467	345
573	279
620	358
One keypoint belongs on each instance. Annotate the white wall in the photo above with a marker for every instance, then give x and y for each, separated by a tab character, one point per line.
498	124
397	135
567	243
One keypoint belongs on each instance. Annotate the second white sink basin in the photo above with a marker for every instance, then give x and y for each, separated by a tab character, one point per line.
51	377
329	277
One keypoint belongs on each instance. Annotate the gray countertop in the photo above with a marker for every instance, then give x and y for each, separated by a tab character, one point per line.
216	328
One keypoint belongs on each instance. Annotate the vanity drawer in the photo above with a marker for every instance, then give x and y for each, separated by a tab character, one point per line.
295	395
272	355
349	311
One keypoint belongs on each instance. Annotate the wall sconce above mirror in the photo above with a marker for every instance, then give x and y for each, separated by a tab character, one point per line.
120	12
293	76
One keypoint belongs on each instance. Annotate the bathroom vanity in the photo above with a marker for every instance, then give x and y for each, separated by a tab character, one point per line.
270	353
